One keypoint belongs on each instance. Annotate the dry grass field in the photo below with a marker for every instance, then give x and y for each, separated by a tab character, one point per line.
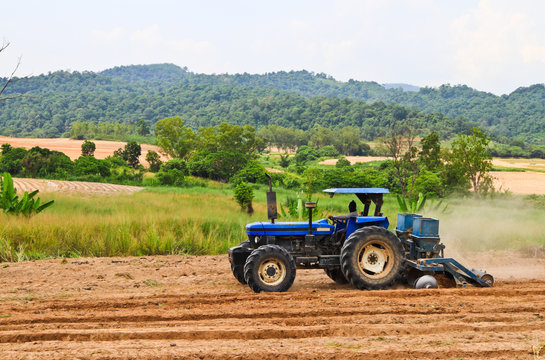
72	148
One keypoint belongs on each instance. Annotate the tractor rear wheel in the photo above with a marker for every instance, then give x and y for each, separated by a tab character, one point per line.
269	268
238	268
336	275
372	258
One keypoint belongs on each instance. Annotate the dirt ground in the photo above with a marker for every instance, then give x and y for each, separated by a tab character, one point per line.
174	307
23	184
72	148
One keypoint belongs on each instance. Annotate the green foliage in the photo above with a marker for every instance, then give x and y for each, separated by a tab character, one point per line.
328	151
284	160
89	165
132	153
430	155
429	184
342	162
44	163
178	164
10	203
471	156
154	161
244	194
253	172
304	154
172	177
411	205
88	148
174	138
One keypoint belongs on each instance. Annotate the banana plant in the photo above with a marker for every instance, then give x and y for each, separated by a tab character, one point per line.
411	205
10	203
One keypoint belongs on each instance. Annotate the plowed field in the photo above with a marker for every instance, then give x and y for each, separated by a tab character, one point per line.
23	184
191	307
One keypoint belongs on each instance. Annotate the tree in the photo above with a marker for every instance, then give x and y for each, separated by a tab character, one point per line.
400	145
174	138
244	194
132	153
88	148
430	155
154	161
142	128
470	154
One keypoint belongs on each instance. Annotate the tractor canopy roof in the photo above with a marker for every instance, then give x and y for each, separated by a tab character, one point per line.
356	191
366	196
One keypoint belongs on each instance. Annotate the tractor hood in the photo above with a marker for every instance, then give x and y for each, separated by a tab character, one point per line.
320	227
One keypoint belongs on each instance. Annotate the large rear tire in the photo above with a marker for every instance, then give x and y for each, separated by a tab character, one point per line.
336	275
372	258
269	268
238	268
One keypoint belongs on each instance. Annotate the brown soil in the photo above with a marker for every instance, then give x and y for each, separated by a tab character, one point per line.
72	148
71	186
170	307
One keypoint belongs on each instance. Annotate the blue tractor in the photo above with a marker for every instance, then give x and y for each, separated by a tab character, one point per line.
355	248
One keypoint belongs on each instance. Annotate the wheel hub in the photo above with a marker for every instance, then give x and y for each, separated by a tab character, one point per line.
272	272
374	259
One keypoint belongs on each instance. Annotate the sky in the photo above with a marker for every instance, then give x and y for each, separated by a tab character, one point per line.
490	45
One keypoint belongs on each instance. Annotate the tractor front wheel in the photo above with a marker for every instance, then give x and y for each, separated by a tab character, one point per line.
336	275
269	268
372	258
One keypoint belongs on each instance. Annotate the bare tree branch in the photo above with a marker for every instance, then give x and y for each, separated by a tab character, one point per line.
10	79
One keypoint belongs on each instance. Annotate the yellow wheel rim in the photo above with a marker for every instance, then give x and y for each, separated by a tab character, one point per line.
272	271
376	259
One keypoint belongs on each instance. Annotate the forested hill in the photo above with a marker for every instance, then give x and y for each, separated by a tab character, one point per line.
520	113
300	99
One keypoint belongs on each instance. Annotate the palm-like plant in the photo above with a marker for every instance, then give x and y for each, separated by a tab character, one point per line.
9	200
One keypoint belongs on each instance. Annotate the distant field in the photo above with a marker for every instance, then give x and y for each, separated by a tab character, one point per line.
72	186
527	182
72	148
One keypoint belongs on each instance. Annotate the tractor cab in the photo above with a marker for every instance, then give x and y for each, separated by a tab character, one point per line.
347	224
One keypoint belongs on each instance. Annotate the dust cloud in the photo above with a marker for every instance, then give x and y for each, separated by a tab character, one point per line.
505	237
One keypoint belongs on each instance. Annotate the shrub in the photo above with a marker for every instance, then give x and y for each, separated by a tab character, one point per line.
244	194
429	184
88	148
175	164
89	165
253	172
154	161
305	153
174	177
342	162
328	151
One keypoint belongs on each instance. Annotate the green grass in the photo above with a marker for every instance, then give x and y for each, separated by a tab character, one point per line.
207	220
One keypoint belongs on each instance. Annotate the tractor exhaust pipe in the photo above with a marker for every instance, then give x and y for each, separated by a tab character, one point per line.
272	211
310	206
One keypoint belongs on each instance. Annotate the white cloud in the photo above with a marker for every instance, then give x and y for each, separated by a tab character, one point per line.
108	38
496	46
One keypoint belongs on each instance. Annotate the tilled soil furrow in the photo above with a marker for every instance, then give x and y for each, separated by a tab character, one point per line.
262	332
102	309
